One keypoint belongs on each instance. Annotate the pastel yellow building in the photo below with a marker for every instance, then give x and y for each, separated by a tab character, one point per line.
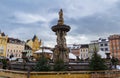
3	44
34	43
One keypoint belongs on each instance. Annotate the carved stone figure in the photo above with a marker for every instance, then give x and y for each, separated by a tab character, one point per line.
61	20
61	14
61	41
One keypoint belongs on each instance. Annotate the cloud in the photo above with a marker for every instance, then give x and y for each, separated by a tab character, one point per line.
79	39
89	19
78	9
43	31
27	18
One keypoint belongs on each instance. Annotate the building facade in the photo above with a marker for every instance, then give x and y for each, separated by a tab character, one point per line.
114	44
104	45
101	45
79	50
84	51
15	47
74	49
3	44
34	44
93	45
28	51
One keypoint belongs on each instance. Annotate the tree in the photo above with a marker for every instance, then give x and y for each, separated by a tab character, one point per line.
42	64
4	62
114	62
59	65
97	63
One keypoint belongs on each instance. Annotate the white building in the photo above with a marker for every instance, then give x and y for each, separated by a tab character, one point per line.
101	45
104	45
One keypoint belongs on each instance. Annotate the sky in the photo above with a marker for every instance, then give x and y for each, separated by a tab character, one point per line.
88	19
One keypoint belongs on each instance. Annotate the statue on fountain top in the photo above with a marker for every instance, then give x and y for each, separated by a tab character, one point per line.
61	20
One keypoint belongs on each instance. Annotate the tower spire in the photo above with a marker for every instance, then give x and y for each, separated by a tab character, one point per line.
61	19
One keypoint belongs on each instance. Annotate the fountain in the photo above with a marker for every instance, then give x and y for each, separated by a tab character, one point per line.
61	52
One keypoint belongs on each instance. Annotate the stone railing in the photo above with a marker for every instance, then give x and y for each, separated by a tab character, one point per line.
71	66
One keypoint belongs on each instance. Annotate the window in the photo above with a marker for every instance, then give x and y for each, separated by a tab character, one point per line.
86	55
81	55
116	54
113	43
117	48
83	50
112	54
106	49
101	44
106	44
114	47
102	49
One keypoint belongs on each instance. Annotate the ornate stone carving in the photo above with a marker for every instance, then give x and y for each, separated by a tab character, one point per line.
61	40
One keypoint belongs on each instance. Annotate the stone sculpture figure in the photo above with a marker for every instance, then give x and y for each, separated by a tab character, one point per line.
61	20
61	41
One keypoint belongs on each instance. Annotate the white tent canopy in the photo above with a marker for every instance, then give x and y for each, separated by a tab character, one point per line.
13	58
72	56
44	50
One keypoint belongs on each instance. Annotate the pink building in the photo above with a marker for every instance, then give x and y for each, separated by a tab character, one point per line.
15	47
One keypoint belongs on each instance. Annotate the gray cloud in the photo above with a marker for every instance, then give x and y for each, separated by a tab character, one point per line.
89	19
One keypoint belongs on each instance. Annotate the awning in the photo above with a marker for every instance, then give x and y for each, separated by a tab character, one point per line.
44	50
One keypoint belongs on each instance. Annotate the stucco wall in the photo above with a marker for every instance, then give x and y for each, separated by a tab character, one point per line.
13	74
59	75
64	74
